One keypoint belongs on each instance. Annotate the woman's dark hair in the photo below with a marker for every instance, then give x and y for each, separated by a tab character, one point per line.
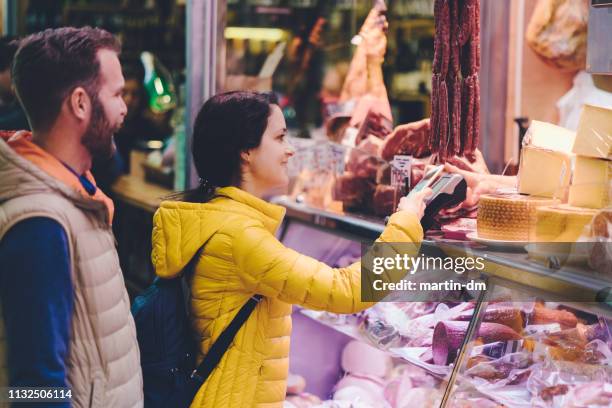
227	125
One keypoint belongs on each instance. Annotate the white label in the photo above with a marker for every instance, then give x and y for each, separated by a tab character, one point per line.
401	171
542	329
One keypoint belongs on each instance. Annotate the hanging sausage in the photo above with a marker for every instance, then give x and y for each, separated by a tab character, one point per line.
455	95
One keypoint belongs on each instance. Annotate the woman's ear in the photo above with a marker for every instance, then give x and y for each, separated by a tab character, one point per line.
245	156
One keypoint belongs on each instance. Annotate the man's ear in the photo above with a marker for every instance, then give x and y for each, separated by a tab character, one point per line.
79	103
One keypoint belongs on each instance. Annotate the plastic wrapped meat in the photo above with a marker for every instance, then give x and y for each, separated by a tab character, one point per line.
441	312
387	319
419	397
361	358
575	344
413	310
593	394
403	378
581	334
553	386
381	334
342	319
511	366
366	389
448	337
543	315
548	393
508	316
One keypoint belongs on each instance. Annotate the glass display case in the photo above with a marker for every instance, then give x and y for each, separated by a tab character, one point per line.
538	335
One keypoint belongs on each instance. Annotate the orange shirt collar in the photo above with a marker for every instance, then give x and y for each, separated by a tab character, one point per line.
22	144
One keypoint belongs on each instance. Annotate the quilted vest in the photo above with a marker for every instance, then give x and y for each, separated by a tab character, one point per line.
104	361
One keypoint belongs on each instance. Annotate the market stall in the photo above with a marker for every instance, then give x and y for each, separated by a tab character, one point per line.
539	334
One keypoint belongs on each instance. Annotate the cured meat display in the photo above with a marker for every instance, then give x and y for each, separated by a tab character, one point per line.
455	95
448	336
522	349
550	353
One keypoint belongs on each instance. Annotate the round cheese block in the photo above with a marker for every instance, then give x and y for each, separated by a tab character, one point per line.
509	217
563	223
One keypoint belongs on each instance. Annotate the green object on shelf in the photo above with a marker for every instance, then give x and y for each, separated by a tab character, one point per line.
158	84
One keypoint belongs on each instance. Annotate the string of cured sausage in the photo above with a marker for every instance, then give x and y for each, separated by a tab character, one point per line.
455	95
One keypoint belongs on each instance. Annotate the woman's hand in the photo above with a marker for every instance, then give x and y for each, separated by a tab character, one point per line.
415	203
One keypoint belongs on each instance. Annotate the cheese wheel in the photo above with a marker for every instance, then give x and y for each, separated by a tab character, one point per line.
509	217
563	223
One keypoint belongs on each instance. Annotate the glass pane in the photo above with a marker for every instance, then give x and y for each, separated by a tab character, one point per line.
152	35
315	41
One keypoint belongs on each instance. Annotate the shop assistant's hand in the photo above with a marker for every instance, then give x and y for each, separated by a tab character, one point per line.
476	163
472	178
482	183
415	203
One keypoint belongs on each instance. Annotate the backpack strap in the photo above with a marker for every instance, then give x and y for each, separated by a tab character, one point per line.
218	349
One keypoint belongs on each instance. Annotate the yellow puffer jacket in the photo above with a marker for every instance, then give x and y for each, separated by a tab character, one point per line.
241	258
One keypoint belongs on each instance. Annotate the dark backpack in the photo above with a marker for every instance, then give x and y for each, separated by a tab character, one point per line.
167	347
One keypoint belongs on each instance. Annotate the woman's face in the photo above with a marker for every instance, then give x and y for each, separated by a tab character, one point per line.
266	165
131	95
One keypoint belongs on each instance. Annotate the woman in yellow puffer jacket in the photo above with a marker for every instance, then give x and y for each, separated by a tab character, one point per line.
240	153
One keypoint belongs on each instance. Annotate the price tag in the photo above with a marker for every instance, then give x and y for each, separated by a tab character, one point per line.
401	171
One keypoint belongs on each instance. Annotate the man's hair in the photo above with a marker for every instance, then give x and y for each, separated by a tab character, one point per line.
8	48
50	64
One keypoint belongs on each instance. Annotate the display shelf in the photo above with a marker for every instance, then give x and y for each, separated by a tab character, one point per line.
567	284
401	353
572	286
354	226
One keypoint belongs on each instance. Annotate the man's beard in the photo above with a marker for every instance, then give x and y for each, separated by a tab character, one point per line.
98	138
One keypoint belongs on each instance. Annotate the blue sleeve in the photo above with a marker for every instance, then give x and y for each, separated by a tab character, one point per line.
37	302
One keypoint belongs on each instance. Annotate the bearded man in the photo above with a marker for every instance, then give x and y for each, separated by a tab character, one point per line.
65	318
